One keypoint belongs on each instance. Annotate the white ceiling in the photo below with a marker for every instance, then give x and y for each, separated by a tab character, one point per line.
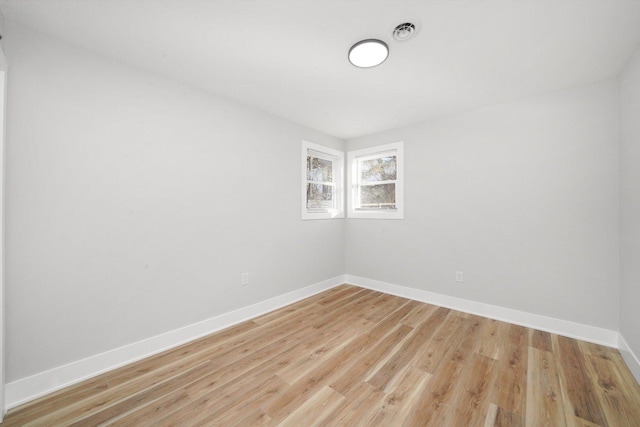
290	57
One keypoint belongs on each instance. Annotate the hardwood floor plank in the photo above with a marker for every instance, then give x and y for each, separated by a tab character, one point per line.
632	388
472	402
300	367
315	313
147	415
507	419
318	299
333	316
578	391
510	388
574	421
185	356
462	349
617	400
275	336
354	321
419	315
190	351
356	357
389	321
396	405
359	370
313	411
285	349
407	351
359	403
67	415
262	395
432	356
492	414
541	340
488	343
454	340
597	350
59	399
144	397
332	367
254	419
224	403
545	406
434	406
340	294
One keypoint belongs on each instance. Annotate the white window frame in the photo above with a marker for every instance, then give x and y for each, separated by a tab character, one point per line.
354	211
337	172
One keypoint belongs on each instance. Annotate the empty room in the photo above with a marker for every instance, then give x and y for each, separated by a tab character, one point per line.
320	213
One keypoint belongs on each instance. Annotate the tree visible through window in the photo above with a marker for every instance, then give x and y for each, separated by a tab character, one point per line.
322	182
375	175
377	187
319	183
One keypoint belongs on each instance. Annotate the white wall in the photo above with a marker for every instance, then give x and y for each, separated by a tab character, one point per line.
3	70
521	197
135	202
629	81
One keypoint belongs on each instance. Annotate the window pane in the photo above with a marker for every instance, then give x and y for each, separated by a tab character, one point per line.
378	196
319	196
380	169
319	169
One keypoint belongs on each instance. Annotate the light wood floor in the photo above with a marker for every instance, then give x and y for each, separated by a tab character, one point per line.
349	357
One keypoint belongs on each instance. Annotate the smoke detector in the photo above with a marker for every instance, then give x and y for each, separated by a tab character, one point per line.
405	31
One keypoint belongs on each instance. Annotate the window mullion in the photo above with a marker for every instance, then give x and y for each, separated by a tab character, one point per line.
377	199
320	198
371	183
330	183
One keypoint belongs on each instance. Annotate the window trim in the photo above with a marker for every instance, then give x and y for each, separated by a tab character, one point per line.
396	148
337	157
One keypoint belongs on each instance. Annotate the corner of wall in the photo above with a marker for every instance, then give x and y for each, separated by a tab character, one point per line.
562	327
632	360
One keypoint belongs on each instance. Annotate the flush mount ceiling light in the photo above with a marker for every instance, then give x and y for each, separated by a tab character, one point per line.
368	53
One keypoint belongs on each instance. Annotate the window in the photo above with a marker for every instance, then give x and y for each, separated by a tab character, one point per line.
376	182
322	171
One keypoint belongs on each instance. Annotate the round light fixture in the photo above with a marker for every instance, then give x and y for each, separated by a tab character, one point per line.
368	53
404	31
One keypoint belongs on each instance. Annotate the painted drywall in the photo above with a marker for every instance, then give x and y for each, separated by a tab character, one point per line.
135	202
520	197
3	70
629	81
1	28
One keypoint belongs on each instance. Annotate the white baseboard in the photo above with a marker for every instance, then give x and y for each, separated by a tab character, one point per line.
26	389
549	324
630	357
29	388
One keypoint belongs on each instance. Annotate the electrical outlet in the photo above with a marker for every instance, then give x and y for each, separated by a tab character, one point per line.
244	279
459	276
